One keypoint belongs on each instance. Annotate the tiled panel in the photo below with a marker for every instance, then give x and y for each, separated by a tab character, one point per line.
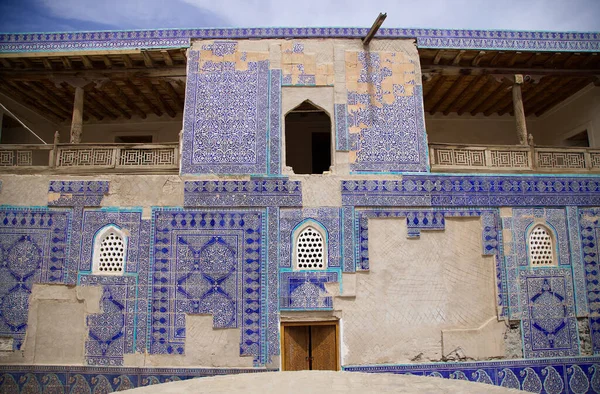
329	218
226	111
76	193
549	323
577	263
341	128
306	290
590	230
255	193
385	113
34	246
274	137
178	38
550	375
208	262
478	191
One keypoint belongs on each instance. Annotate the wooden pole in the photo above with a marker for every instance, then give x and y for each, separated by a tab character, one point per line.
77	122
519	110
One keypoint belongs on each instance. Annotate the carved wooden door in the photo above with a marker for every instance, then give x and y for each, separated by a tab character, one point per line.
310	347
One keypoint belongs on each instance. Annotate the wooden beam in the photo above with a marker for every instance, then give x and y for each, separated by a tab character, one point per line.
569	60
27	63
477	59
50	96
452	90
35	97
438	57
32	104
519	111
184	53
492	97
529	94
459	97
127	61
496	58
6	63
456	60
167	58
87	63
130	104
100	95
134	89
558	98
47	63
70	88
434	89
467	70
166	85
66	63
477	96
551	59
513	59
589	58
114	74
531	62
557	86
70	53
148	62
504	99
98	106
107	61
156	94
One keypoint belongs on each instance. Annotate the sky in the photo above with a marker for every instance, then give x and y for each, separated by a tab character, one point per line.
76	15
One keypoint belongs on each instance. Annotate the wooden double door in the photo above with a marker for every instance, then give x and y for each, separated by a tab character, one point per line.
310	346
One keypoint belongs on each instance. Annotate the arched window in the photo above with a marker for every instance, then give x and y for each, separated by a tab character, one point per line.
308	139
110	250
541	246
310	248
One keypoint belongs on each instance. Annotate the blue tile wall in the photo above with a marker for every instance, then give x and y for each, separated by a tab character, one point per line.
341	128
306	290
577	263
34	248
180	38
551	375
226	114
274	133
589	221
329	218
254	193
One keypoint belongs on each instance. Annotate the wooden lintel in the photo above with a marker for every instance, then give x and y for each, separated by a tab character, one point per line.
130	104
167	58
148	62
134	89
156	94
87	63
168	72
69	53
463	70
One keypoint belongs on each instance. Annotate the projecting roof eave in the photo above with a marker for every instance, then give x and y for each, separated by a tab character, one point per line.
539	41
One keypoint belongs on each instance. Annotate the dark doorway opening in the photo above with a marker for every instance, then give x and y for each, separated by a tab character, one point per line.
308	139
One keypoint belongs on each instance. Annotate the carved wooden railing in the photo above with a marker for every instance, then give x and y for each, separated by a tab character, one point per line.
86	157
449	157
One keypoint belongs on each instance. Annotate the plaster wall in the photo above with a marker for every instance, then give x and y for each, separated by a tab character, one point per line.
415	289
467	129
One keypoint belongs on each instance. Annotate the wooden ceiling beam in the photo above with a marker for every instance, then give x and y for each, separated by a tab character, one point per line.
570	59
559	97
435	88
66	63
496	58
534	103
156	94
130	104
47	64
35	96
100	107
513	59
476	97
148	62
456	60
89	108
115	74
31	103
184	53
588	59
490	97
167	58
528	94
438	57
100	95
166	85
127	61
50	96
107	62
466	70
452	90
87	63
459	97
134	89
551	59
6	63
500	103
477	59
28	64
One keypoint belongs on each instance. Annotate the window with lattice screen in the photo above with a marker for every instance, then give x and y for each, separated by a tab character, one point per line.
541	247
310	249
110	250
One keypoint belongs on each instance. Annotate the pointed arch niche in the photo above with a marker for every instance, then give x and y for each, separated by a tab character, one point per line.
541	246
110	251
308	139
310	246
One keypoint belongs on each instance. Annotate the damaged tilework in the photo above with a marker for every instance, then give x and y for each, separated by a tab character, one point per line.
208	262
385	113
34	244
254	193
302	68
341	128
306	290
549	323
329	218
589	220
112	331
274	135
577	262
226	111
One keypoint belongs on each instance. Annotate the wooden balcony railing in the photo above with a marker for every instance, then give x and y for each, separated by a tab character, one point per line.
91	157
511	158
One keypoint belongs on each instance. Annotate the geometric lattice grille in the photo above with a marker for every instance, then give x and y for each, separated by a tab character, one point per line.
509	158
111	254
460	157
595	159
310	249
86	157
541	250
561	159
147	157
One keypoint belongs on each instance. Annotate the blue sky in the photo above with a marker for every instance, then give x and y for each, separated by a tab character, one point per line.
74	15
